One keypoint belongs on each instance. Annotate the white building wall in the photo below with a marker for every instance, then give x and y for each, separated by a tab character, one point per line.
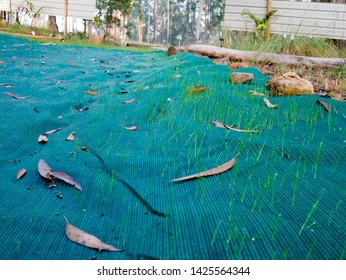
298	18
84	9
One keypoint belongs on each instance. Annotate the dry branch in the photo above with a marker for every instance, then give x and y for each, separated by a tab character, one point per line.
235	55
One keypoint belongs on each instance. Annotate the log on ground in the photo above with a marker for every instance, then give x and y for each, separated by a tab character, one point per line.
236	55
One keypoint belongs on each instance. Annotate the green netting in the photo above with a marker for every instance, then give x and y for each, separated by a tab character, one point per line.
283	199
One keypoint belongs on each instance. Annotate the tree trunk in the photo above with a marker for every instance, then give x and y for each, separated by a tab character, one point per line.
198	27
187	26
168	39
148	24
52	26
206	21
155	21
140	23
235	55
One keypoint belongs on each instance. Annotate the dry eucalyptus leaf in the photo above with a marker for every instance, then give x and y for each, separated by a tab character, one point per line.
20	173
66	178
83	238
221	125
196	89
16	96
218	124
71	136
268	104
253	92
241	130
217	170
71	63
52	131
42	139
324	104
91	92
129	101
131	128
44	169
6	85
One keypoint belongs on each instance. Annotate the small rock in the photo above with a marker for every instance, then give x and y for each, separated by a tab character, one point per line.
289	84
241	78
221	61
171	51
237	65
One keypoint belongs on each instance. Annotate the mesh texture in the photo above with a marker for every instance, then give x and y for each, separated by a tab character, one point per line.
285	198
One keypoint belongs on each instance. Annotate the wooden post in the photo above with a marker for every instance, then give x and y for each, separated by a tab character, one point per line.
65	19
269	8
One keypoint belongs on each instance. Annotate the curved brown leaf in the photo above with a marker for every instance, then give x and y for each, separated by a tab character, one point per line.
196	89
91	92
20	173
71	136
44	169
217	170
218	124
221	125
253	92
83	238
131	128
324	104
268	104
6	85
66	178
52	131
129	101
16	96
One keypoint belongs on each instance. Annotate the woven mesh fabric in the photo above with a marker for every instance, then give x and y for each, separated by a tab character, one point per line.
285	198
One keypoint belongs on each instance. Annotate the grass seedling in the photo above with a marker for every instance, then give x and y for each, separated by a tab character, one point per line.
333	211
242	243
126	225
295	184
343	251
215	232
18	247
263	190
283	142
274	228
317	158
261	150
285	254
313	209
79	200
308	255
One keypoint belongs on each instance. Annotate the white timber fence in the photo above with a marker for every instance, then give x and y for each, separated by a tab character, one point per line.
81	9
295	18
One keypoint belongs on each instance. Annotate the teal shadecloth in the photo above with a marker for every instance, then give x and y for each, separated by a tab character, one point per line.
285	197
